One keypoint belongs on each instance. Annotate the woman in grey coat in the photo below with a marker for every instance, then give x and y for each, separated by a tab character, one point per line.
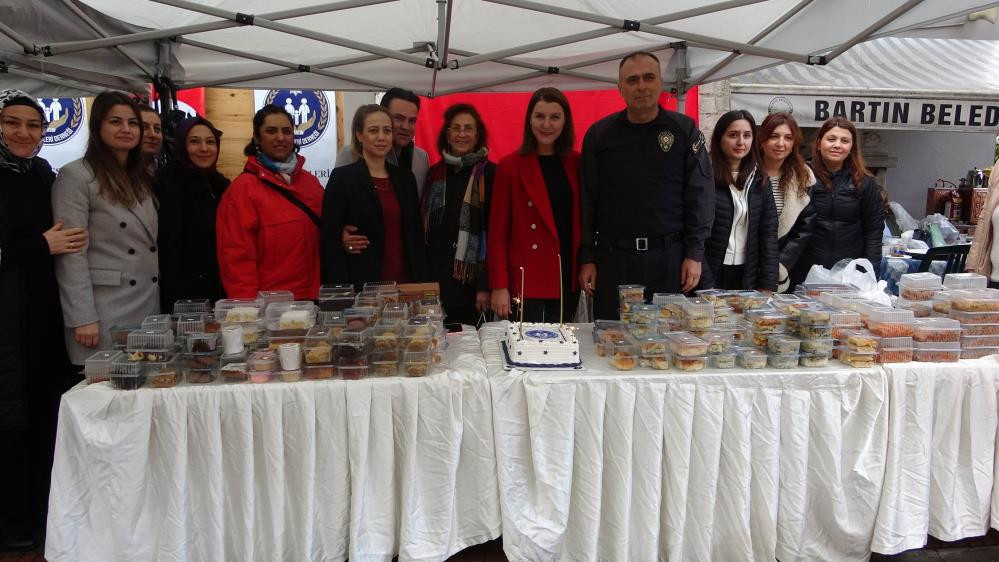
114	280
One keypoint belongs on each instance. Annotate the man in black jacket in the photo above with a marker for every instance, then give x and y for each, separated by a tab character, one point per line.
647	196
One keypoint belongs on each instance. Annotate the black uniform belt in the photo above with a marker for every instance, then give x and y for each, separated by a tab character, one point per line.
639	244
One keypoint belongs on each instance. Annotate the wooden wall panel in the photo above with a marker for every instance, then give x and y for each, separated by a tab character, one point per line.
231	111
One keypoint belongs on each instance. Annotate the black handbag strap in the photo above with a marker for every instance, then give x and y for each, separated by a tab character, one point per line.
290	197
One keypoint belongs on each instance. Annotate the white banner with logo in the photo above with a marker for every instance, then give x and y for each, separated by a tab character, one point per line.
65	139
872	112
314	115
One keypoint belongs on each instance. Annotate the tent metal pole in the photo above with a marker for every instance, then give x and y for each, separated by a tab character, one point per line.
442	13
614	28
100	31
28	46
757	38
564	70
107	81
873	28
77	46
682	70
41	76
260	21
278	62
709	42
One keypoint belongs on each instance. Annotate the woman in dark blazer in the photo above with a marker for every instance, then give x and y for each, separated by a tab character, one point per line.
379	202
741	252
849	210
539	185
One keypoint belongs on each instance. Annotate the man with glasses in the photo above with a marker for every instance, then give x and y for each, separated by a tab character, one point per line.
403	106
646	194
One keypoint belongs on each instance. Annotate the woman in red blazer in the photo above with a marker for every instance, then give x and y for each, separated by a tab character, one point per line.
534	218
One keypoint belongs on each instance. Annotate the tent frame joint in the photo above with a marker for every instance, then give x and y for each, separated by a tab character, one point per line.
304	68
3	67
553	70
631	25
244	19
819	60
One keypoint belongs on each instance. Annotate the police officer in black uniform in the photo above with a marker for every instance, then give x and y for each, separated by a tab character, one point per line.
647	196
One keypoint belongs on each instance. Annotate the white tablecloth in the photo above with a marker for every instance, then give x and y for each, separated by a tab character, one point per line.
725	465
314	470
941	462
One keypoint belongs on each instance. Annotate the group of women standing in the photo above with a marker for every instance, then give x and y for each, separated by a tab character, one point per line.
774	217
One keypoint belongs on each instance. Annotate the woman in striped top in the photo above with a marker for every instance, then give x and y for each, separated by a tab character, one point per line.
791	181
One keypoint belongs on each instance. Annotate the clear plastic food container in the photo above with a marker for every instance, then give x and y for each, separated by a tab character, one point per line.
815	332
416	364
782	344
922	279
262	361
261	377
238	310
157	322
274	342
978	352
119	335
149	345
814	359
855	358
783	361
335	303
201	342
718	342
686	345
350	372
859	340
233	372
758	339
336	289
815	289
200	376
351	353
252	331
814	315
750	358
163	374
966	318
697	363
360	317
396	310
724	360
293	375
631	293
937	354
979	341
724	315
980	329
895	350
643	330
660	362
384	364
386	339
920	309
190	323
961	281
645	314
268	297
980	300
936	330
381	286
291	315
192	306
653	345
127	375
890	322
767	321
319	371
97	367
813	346
910	293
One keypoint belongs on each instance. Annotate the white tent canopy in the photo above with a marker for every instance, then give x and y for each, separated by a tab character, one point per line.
432	46
887	83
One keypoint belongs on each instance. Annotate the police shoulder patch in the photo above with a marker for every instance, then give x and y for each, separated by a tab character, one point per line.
698	143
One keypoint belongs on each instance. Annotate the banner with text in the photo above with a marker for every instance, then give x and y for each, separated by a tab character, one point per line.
314	115
66	137
876	112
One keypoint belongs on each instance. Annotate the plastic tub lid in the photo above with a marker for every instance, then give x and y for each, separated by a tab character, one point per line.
922	325
187	306
924	280
937	345
157	322
152	340
668	298
336	289
965	281
381	286
844	318
902	342
891	315
100	362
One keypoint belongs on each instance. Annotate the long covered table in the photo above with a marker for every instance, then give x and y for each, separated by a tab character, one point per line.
723	465
313	470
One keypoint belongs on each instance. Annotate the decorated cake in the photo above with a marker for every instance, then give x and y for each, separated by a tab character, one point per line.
540	345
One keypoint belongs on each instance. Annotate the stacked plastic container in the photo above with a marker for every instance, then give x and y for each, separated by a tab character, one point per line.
334	298
978	312
916	291
247	314
97	367
689	352
936	340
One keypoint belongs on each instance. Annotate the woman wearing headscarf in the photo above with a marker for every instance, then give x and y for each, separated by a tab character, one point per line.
34	368
455	212
189	189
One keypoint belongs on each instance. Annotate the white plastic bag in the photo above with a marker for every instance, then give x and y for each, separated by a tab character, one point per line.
845	271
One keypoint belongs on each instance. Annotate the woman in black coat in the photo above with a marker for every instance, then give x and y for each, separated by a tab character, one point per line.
371	212
189	189
741	252
456	200
791	182
34	366
849	212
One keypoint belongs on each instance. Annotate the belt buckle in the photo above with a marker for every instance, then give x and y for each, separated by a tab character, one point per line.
641	244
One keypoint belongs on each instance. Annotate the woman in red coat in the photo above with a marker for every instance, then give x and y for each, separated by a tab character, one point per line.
534	218
267	226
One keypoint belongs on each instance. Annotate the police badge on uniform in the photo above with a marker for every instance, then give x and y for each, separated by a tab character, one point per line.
666	140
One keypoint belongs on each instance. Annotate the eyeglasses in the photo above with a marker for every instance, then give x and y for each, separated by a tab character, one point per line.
458	129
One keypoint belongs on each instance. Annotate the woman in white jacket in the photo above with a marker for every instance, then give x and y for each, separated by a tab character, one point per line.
791	180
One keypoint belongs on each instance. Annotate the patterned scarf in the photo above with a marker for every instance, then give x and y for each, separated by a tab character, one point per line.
284	169
470	252
7	158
